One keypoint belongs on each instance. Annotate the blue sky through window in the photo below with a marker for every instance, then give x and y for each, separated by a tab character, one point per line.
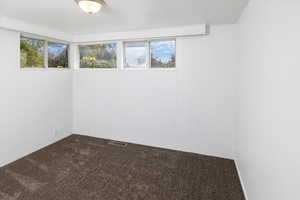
56	49
163	50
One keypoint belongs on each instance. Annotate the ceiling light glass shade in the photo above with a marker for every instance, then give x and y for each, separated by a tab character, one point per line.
90	6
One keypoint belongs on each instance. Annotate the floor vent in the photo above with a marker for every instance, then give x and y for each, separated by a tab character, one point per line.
119	144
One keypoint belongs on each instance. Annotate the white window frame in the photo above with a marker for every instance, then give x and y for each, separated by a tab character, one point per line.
163	68
148	65
147	56
121	55
46	40
102	43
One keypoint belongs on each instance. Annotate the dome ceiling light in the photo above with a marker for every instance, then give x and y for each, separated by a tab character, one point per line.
90	6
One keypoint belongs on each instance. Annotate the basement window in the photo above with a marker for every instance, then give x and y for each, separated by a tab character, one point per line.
38	53
136	54
163	54
150	54
32	52
98	56
57	55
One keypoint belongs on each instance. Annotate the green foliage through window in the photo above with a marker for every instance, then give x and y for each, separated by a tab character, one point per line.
57	55
98	56
32	52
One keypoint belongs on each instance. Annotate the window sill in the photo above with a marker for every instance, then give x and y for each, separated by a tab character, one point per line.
43	69
126	69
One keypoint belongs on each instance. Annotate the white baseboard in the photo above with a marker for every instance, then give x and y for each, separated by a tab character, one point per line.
241	179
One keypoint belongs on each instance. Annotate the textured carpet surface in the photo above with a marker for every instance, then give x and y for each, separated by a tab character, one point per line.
86	168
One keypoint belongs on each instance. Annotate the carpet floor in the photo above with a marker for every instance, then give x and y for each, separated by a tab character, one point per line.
86	168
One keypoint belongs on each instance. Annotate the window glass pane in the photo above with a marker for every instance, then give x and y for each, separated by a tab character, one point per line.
32	52
163	54
57	55
136	54
98	56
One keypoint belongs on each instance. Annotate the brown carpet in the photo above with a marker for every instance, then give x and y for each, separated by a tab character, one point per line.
86	168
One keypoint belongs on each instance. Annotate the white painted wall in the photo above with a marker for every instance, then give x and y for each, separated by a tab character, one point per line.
195	30
190	108
34	103
268	120
25	27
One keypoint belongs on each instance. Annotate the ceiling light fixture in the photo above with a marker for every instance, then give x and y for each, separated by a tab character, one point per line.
90	6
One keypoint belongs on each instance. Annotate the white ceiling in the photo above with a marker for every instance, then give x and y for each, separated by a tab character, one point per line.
123	15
